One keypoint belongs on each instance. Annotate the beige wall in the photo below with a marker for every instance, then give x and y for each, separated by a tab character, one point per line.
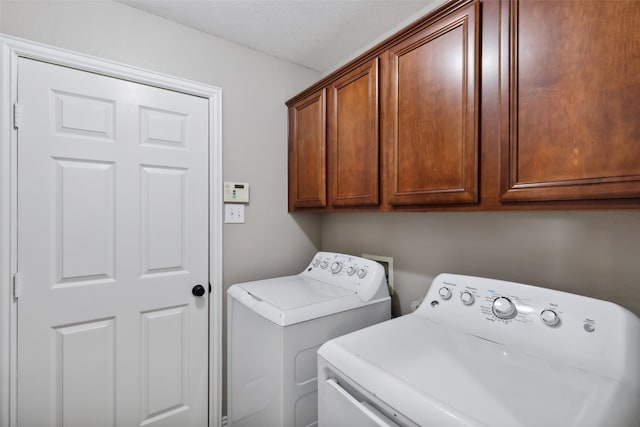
590	253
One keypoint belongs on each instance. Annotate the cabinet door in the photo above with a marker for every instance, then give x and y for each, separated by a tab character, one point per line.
430	120
353	137
307	153
570	100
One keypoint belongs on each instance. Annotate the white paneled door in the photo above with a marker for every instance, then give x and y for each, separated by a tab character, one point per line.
112	238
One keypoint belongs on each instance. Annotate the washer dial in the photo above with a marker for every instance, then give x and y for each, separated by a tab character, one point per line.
550	317
445	293
336	267
503	308
467	298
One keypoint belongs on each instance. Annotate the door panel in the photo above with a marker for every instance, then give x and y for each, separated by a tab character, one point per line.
84	383
307	153
569	109
112	236
352	138
163	219
85	190
430	122
163	128
80	115
164	363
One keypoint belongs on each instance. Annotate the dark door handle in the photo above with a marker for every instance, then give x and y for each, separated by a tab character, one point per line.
198	290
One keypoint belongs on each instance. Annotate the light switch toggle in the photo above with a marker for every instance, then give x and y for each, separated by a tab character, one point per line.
233	213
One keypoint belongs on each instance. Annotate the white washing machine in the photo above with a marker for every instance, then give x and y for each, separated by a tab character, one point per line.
276	326
483	352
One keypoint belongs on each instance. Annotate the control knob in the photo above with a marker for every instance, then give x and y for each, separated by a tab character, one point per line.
336	267
316	262
550	317
467	298
361	273
503	308
350	270
324	264
445	293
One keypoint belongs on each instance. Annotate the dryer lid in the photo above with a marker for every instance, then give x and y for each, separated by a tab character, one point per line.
433	374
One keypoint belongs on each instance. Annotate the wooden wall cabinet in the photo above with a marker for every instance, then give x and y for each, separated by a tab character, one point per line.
307	152
334	145
430	116
422	151
570	100
353	143
547	118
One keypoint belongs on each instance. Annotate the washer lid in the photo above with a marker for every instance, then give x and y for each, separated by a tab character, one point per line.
293	299
432	374
291	292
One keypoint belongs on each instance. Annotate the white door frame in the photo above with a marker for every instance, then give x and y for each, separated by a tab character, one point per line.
11	49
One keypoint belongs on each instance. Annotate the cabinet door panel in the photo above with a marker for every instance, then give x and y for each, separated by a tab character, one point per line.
353	137
307	153
571	100
430	123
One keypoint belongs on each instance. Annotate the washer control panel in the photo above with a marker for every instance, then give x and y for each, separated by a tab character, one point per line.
364	276
593	334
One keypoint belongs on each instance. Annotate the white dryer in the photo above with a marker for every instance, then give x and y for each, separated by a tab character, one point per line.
275	327
483	352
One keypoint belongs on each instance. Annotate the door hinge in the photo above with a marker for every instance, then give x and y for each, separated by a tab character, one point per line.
17	285
16	116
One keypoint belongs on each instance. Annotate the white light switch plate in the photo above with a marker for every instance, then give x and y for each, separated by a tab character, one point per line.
233	213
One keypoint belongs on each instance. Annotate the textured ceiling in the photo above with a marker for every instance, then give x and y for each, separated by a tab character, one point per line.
317	34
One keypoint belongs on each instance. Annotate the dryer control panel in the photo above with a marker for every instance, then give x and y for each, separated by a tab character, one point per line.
361	275
578	331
